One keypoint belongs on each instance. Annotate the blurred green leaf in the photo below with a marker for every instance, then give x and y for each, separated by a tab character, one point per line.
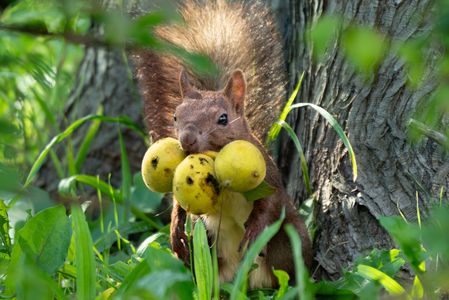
303	284
408	237
33	283
283	279
45	238
4	229
323	33
364	47
387	261
417	289
9	178
158	276
412	53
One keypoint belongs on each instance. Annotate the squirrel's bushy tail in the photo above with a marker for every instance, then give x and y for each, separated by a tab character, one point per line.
235	36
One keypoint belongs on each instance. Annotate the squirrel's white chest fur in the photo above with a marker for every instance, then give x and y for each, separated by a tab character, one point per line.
229	226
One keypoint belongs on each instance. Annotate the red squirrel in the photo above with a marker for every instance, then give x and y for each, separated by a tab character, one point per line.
206	113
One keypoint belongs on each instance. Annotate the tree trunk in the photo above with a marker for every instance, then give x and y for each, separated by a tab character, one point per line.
103	80
374	113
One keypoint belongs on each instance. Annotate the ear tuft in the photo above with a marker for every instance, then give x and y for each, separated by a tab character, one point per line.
236	89
185	88
184	83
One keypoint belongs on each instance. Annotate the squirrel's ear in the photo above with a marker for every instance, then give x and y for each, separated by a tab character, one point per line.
235	90
187	91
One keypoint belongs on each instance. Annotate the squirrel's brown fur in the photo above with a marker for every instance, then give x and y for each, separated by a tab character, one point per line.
242	42
234	36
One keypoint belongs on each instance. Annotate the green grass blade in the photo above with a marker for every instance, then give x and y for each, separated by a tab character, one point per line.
283	279
418	213
417	289
87	141
68	131
202	262
126	175
276	128
84	256
391	285
304	167
94	182
240	283
302	278
333	122
216	279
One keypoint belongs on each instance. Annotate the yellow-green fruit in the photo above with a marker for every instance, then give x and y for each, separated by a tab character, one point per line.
240	166
194	186
159	164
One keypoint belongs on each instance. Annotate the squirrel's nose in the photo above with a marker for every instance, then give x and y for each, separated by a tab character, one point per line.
189	142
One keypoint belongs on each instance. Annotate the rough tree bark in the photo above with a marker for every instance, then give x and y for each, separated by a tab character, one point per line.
103	79
375	114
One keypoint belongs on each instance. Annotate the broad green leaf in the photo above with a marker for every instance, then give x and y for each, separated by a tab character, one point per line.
32	283
329	118
84	256
132	278
240	285
68	131
263	190
164	284
391	285
143	279
45	238
202	261
304	167
303	284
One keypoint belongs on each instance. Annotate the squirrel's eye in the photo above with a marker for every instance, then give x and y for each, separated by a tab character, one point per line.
174	117
223	120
